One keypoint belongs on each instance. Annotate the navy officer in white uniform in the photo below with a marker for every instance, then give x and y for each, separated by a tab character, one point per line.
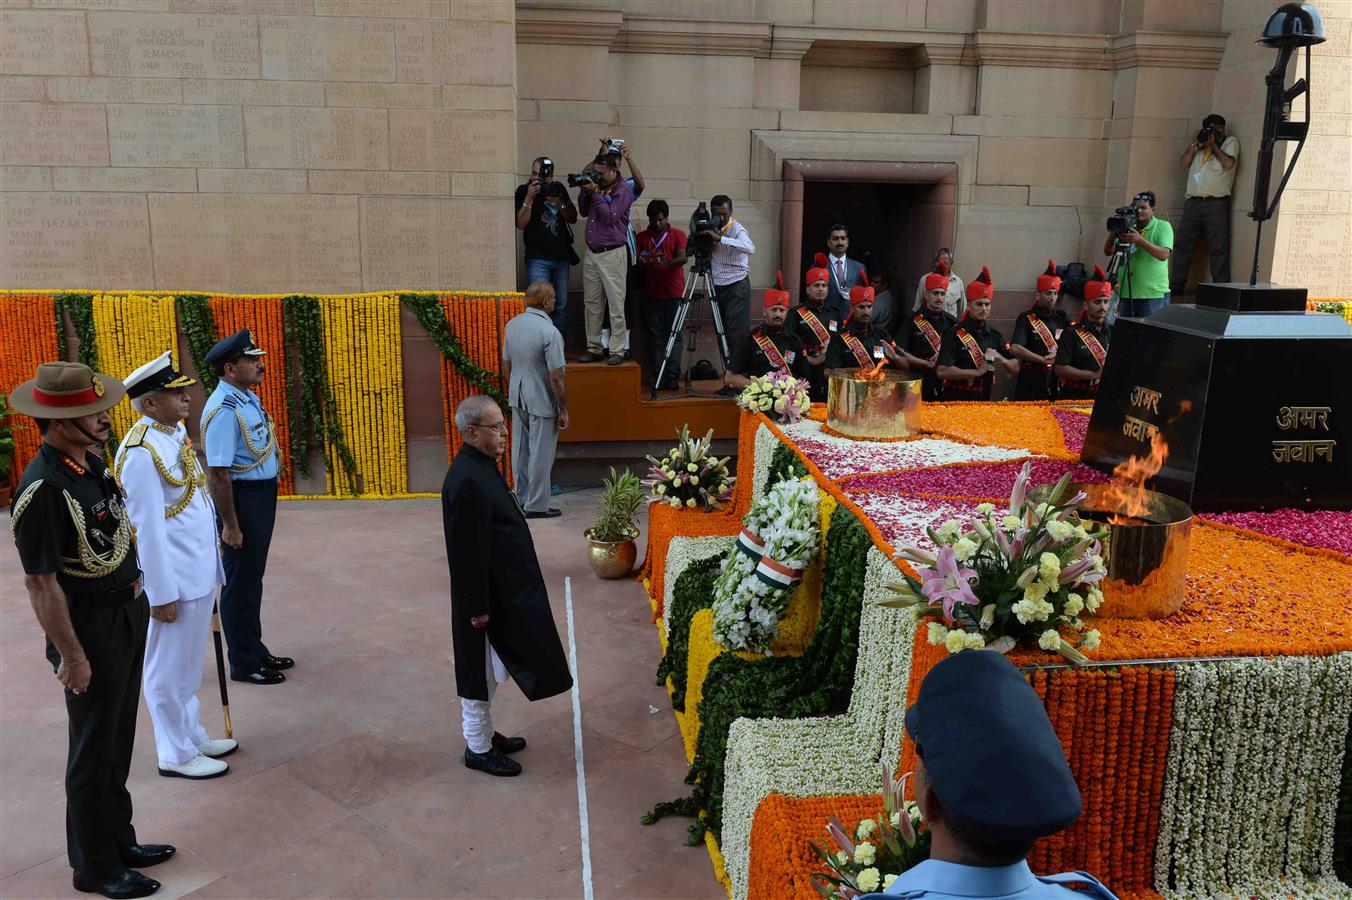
990	778
175	524
241	449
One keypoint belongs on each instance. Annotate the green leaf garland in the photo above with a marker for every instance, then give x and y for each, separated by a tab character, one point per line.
427	309
198	325
780	686
693	591
784	463
303	325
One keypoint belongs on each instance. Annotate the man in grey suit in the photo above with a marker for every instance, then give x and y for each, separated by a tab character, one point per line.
533	363
845	272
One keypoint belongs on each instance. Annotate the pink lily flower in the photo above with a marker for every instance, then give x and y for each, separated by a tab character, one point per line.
1020	491
837	831
949	583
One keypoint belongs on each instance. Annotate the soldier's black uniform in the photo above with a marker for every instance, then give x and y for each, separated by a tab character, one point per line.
840	356
750	360
1036	381
1074	351
812	343
912	338
954	352
69	519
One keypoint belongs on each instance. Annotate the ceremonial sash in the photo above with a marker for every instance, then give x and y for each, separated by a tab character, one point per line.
818	329
925	328
973	348
857	348
771	351
1093	345
1048	339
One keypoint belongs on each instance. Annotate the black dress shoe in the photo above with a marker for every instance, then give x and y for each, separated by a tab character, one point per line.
590	357
508	744
493	762
278	663
124	886
141	856
550	513
262	676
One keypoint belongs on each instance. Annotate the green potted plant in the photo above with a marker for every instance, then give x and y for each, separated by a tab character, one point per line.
611	547
6	449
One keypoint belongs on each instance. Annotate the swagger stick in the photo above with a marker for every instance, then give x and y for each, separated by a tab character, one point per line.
220	667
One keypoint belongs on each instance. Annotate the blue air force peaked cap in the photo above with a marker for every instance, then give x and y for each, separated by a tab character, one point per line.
989	750
229	349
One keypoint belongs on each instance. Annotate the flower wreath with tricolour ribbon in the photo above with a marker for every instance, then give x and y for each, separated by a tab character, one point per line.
780	536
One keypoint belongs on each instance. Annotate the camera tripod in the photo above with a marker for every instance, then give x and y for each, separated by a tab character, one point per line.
1118	263
700	276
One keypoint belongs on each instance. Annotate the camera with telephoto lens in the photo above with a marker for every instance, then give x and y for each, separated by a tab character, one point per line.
1205	135
703	225
586	176
1123	220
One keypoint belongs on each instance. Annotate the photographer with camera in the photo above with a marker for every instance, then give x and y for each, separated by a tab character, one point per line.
605	199
731	265
661	263
544	211
1211	159
1143	282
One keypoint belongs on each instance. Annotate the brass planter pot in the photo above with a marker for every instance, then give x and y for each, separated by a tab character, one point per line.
611	559
887	408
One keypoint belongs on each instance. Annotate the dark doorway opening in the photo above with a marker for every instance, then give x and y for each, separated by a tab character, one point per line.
893	227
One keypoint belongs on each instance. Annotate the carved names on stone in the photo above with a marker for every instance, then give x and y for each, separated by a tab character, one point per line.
455	141
312	138
423	243
279	243
455	52
63	240
60	134
171	44
306	48
176	135
43	42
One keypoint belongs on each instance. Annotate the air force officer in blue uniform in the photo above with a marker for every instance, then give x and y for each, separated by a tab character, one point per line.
241	449
990	778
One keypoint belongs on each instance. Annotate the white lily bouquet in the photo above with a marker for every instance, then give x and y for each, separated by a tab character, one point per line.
779	395
690	475
879	850
780	535
1029	575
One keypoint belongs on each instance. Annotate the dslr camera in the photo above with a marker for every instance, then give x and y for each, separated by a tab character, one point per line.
588	175
1206	134
1123	220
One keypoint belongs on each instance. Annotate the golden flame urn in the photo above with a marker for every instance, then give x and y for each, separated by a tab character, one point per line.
872	404
1146	550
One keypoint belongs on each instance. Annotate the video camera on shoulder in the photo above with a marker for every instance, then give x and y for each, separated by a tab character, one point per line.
1123	220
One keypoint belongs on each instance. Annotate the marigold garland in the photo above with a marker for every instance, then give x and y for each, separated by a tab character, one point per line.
264	317
366	376
26	321
474	321
131	329
781	858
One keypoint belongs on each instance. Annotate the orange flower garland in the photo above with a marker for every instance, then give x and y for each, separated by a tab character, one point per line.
263	316
477	321
28	322
781	860
1016	425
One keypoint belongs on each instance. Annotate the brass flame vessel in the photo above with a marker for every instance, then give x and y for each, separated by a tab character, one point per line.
887	408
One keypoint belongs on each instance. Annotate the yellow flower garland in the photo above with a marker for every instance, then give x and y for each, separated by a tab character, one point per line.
366	374
132	328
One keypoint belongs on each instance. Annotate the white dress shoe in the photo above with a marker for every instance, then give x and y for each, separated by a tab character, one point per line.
197	768
218	748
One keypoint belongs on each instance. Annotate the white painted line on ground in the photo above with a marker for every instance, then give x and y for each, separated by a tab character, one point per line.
577	748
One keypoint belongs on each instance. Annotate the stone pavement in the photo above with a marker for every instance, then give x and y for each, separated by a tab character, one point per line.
348	781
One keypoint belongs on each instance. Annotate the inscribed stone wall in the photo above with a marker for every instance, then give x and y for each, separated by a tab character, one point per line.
257	145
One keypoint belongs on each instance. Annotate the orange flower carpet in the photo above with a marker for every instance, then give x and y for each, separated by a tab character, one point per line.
1196	740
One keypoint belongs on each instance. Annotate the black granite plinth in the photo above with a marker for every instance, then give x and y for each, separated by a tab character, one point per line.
1256	407
1240	296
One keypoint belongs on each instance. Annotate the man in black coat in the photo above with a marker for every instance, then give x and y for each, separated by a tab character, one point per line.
501	623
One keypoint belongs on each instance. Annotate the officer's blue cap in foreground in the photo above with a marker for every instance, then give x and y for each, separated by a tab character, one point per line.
989	750
241	343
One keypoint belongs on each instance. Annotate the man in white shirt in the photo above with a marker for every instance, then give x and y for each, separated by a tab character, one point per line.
1211	159
731	263
955	299
175	522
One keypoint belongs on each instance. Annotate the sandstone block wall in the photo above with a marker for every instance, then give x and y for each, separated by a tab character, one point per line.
257	145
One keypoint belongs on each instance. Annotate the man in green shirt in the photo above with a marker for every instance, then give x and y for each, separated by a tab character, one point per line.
1143	281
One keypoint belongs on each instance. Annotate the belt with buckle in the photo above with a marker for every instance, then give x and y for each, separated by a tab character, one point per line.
604	249
110	599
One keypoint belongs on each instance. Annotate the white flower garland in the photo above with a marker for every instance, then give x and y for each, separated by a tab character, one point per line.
755	584
682	552
822	755
765	444
1251	781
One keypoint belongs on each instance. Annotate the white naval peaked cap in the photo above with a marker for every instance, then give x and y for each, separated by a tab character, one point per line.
157	375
